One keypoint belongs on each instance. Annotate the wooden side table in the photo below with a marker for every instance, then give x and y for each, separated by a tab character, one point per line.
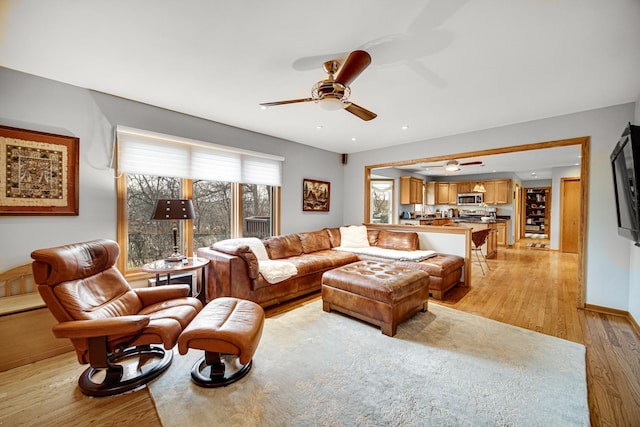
189	264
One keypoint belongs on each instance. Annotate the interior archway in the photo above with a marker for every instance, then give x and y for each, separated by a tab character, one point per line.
581	142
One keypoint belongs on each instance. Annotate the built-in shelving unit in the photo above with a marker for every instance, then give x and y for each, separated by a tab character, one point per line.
537	210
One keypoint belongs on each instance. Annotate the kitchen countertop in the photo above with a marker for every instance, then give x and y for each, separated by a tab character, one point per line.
426	220
479	221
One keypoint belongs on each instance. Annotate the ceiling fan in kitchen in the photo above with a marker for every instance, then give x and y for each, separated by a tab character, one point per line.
333	93
452	165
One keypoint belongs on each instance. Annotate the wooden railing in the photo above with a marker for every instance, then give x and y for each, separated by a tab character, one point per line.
257	226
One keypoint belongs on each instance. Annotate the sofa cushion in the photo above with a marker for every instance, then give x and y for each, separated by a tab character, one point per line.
334	236
372	236
321	261
354	236
284	246
314	241
399	240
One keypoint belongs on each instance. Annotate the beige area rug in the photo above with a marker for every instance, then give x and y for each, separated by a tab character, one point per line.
444	367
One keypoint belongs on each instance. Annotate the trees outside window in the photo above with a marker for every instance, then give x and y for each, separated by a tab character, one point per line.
143	240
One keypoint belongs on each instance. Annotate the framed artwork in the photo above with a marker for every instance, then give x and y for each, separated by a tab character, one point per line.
315	195
38	173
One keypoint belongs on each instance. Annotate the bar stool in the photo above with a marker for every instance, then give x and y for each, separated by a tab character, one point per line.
479	238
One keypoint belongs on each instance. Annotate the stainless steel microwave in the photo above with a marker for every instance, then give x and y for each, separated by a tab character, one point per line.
473	199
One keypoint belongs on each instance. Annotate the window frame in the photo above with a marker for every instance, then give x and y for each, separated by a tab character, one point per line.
186	190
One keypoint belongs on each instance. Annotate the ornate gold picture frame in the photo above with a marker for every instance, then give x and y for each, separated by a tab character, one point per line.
38	173
315	195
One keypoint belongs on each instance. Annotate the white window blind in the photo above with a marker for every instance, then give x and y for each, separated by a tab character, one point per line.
151	153
258	170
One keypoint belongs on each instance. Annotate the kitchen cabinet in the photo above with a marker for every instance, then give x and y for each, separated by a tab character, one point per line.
453	193
410	190
497	192
446	193
442	193
501	235
464	187
490	192
502	191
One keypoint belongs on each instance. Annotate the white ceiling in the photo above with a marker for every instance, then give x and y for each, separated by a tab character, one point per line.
441	67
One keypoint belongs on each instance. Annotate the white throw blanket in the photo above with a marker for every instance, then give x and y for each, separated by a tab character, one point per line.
390	253
273	271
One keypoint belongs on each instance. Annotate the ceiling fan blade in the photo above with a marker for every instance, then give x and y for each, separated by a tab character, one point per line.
477	162
290	101
355	64
360	112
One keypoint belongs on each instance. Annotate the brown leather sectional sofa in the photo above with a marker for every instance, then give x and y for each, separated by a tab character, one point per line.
234	271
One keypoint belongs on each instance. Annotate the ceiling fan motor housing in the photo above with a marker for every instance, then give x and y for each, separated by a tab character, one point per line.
333	94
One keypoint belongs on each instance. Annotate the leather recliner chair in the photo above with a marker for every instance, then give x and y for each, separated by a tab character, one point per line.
112	326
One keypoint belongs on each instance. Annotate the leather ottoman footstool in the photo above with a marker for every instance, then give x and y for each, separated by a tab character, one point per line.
224	327
444	271
380	293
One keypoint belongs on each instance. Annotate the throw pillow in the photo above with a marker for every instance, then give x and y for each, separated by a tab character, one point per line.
354	236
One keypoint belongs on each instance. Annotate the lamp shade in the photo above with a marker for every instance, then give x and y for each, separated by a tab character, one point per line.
174	209
479	188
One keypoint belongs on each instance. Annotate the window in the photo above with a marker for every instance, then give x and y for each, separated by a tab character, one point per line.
381	201
256	210
152	167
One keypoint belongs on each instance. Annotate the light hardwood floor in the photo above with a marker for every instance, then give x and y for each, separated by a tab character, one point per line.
526	287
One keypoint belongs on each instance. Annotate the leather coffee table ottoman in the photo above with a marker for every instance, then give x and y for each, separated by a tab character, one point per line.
380	293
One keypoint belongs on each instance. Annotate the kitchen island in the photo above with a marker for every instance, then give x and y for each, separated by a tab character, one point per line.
497	236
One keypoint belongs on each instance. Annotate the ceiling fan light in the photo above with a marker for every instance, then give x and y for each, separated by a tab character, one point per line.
452	166
331	104
479	188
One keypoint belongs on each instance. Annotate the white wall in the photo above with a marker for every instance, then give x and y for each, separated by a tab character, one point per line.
44	105
607	257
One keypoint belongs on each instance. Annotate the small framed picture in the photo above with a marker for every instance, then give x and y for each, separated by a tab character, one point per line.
315	195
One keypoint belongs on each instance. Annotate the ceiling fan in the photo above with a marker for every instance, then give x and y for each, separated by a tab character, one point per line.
333	93
453	165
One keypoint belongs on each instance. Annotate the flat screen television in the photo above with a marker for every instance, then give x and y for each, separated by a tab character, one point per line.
625	162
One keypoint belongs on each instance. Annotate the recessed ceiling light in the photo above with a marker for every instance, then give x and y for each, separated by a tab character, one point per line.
263	107
319	127
354	139
405	127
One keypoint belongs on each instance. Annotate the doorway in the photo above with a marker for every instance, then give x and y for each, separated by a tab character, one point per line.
569	214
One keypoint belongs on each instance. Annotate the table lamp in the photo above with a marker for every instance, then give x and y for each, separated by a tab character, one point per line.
174	209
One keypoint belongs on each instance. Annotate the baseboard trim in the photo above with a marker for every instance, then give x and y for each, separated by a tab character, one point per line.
615	312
